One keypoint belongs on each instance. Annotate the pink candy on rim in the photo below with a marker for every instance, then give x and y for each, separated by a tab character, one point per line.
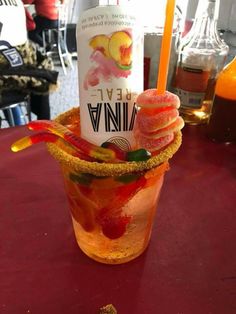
157	119
150	99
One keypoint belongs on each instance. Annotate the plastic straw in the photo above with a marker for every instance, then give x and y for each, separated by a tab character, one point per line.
165	47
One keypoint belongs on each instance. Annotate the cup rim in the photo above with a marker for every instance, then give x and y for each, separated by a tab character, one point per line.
108	169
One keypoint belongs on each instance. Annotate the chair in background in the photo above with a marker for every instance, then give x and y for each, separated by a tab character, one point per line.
16	108
57	39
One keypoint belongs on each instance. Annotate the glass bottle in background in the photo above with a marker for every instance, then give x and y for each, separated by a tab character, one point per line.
110	68
222	123
153	33
202	55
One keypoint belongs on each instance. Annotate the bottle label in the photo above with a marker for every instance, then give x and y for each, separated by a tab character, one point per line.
188	99
110	64
190	85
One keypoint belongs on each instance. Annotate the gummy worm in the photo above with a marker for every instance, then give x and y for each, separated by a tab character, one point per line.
87	148
140	154
28	141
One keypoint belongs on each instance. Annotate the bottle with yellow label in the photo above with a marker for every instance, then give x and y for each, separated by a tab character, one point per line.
110	67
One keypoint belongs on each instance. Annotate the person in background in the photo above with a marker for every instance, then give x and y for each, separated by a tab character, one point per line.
23	69
46	18
30	24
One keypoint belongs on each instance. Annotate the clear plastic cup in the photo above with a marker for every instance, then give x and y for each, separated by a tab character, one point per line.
112	205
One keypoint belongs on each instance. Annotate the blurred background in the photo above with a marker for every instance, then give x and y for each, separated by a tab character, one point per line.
67	95
153	20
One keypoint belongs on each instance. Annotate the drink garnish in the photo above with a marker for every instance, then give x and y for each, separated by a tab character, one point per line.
58	134
113	227
89	149
140	154
47	137
157	120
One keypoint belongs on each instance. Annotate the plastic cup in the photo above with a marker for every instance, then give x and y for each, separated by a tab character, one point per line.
113	216
112	205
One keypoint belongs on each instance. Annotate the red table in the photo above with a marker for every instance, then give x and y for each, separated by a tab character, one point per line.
189	267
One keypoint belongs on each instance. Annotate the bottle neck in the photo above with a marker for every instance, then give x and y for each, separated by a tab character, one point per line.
204	33
207	10
206	16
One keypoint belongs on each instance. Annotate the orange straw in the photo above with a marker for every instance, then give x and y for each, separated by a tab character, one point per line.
165	47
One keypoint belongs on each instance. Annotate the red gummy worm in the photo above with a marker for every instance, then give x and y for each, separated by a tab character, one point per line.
63	132
53	138
80	143
120	154
43	137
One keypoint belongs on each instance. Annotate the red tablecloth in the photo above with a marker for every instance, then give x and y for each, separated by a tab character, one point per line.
188	268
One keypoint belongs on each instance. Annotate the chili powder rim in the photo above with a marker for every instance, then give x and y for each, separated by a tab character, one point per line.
108	169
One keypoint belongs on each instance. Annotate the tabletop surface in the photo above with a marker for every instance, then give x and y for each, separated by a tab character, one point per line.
188	268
